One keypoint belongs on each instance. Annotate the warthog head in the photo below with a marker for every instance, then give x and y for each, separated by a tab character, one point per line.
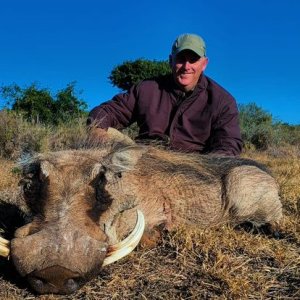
70	236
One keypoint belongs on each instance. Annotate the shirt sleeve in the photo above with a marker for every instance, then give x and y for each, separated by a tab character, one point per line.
117	113
226	136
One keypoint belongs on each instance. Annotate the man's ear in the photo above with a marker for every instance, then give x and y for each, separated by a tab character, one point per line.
205	63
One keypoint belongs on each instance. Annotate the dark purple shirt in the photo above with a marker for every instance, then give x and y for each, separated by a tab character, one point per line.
204	120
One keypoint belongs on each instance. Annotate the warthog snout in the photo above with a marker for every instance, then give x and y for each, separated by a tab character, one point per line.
55	279
56	260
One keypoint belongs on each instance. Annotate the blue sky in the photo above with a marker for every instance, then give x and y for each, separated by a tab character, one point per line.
253	45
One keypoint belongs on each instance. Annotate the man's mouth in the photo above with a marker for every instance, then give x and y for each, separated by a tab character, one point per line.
185	73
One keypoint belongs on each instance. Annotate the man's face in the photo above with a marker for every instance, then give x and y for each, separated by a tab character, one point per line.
187	67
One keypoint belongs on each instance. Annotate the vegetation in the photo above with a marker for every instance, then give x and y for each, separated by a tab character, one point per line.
131	72
261	132
36	105
18	136
256	126
18	133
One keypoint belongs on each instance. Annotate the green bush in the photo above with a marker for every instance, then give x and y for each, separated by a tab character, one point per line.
261	131
38	106
256	126
286	134
131	72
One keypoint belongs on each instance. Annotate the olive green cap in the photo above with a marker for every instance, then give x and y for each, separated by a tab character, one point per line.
189	42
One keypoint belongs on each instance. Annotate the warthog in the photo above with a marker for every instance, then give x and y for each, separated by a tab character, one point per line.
85	202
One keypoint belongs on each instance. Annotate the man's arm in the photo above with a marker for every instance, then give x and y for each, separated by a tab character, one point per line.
117	113
226	136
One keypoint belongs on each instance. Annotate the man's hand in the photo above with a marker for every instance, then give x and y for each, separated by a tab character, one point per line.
100	136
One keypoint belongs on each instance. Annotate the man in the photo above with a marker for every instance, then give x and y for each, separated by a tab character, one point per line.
187	110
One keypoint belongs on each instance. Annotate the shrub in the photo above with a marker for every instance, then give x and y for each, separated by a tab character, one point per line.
37	105
18	136
256	126
131	72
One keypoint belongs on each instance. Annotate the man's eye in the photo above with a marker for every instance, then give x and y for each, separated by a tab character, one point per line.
183	58
192	60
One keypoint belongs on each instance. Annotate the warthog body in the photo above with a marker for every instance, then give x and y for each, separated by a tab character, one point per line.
85	200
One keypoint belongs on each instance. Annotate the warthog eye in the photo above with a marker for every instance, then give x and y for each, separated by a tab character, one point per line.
31	187
101	179
31	184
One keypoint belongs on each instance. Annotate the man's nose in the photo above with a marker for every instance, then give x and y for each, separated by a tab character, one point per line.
186	64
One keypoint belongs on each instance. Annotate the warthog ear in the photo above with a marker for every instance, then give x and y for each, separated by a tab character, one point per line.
46	168
127	158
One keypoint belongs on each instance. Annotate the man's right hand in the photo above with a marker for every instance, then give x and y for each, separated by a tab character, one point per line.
112	135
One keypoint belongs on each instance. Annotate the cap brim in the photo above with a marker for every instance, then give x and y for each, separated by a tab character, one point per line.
197	51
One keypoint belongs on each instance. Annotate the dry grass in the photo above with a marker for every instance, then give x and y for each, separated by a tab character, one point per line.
18	136
7	178
189	263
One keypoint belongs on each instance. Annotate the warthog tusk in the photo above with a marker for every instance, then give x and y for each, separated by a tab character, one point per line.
120	250
4	247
